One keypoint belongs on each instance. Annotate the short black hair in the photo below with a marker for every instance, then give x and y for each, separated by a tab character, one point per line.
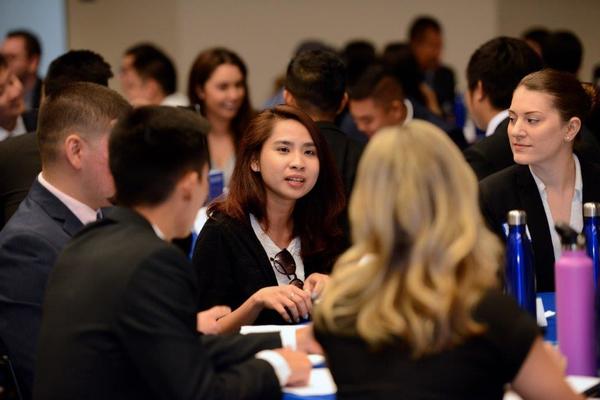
379	84
500	64
563	51
317	80
76	66
537	35
3	62
420	25
358	55
32	43
151	62
151	148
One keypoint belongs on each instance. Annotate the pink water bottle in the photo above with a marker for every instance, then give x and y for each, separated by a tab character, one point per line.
574	276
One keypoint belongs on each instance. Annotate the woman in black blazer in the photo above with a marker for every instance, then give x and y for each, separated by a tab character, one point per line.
549	182
268	245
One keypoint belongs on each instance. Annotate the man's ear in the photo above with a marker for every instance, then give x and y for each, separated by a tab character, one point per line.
34	62
73	146
289	99
397	111
343	104
186	184
479	92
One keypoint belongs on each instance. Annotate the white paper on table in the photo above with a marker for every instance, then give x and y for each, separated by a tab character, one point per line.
246	329
320	384
579	383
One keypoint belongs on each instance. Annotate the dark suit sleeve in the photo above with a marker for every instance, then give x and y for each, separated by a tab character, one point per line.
487	201
25	262
219	347
156	325
478	162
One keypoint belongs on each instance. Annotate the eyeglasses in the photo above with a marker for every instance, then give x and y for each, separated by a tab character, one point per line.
284	264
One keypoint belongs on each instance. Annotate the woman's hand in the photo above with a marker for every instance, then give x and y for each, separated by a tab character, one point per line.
207	321
315	283
289	301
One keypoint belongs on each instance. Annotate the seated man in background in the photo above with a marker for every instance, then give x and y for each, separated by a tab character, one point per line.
136	295
13	120
19	156
23	52
377	101
74	184
426	44
316	83
148	77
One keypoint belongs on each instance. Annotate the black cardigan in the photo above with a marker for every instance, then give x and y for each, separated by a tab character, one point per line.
232	265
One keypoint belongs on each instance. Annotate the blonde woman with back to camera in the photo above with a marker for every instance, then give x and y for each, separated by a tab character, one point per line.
412	310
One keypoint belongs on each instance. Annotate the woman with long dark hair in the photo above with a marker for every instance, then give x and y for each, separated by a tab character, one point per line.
217	88
267	247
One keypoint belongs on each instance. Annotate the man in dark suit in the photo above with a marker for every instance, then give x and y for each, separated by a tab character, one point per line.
74	184
23	51
120	311
13	120
426	45
19	156
316	82
494	71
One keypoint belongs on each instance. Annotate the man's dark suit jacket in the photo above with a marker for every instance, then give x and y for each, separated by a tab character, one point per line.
515	189
493	153
233	265
120	323
29	245
19	165
346	153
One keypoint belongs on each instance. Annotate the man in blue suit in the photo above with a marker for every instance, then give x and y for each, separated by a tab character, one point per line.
75	183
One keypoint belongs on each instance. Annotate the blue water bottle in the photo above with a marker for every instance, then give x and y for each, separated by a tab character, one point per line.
591	230
520	278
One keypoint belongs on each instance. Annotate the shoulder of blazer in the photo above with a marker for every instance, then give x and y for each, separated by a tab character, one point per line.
590	177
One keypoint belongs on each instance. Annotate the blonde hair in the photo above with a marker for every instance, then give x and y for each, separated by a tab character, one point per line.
415	211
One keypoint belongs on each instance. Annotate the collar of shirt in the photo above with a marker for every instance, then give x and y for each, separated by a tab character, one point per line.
82	211
494	122
158	232
19	130
576	221
410	112
272	249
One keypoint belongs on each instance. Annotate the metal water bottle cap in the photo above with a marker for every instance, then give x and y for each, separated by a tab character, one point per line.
591	209
517	217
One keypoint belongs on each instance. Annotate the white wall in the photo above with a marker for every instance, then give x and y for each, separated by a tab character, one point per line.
582	17
265	32
46	18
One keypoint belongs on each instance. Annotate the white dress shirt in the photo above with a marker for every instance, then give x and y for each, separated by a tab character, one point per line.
18	130
494	122
576	221
83	212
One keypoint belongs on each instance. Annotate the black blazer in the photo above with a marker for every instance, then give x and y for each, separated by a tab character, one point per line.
493	153
514	188
19	165
346	153
120	323
232	265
